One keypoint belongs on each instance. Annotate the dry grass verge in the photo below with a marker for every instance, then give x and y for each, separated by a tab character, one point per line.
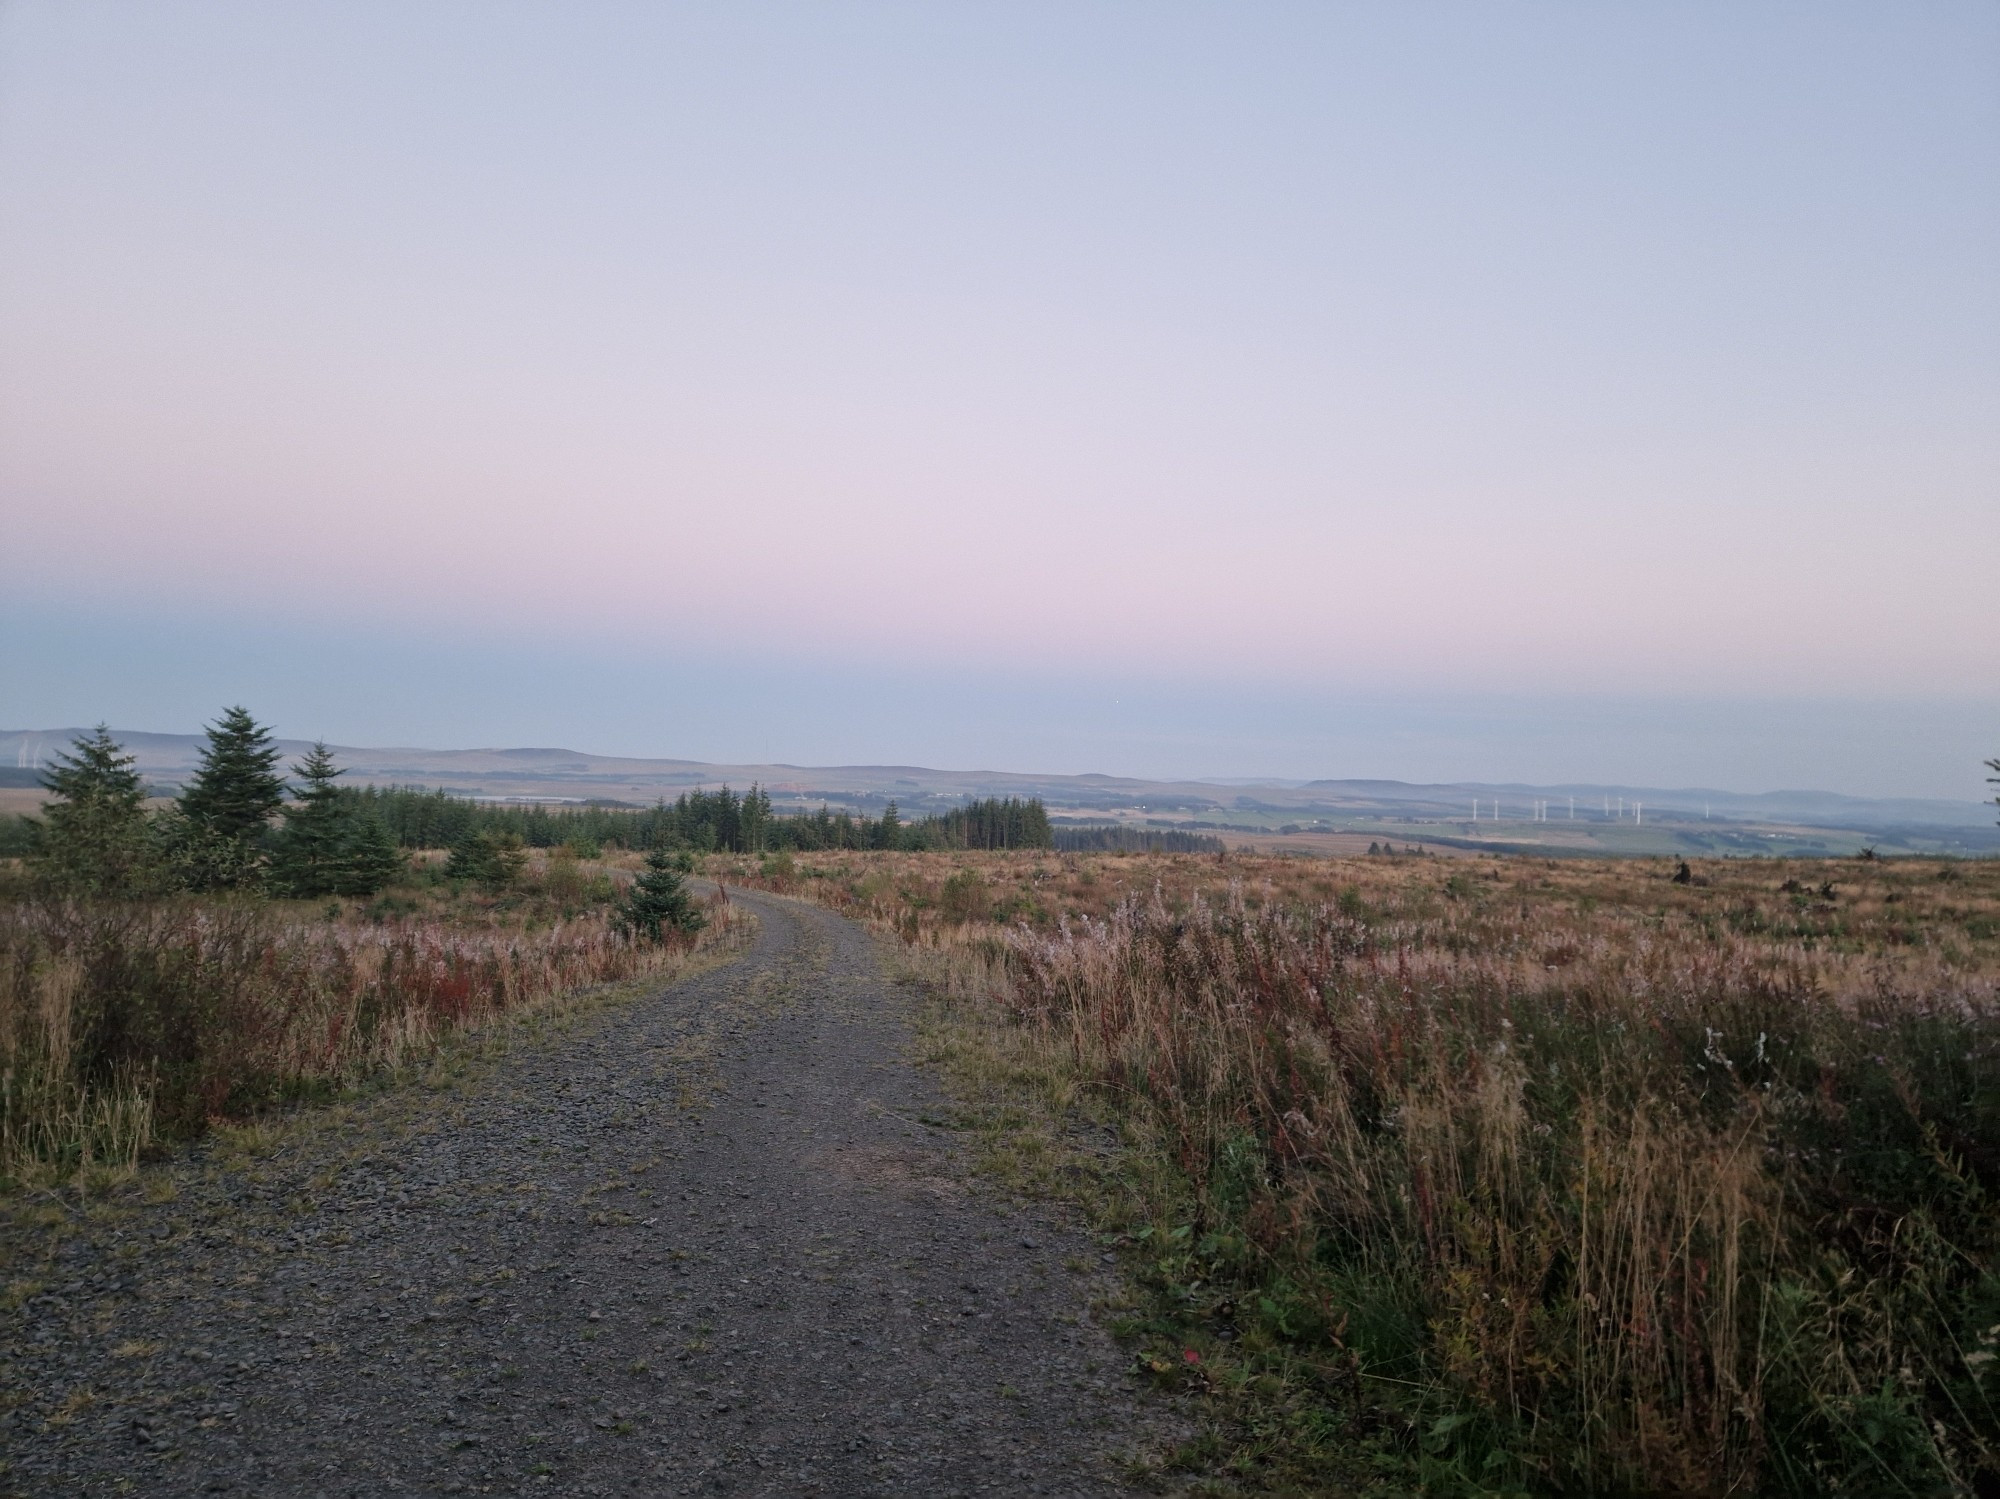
123	1025
1505	1175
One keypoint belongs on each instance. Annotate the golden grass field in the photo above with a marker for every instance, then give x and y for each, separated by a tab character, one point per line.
1446	1173
123	1023
1905	912
1492	1175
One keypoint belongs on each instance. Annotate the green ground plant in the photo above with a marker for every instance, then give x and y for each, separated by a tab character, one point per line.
491	860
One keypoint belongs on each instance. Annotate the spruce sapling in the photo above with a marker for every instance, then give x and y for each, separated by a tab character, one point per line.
308	852
658	902
224	810
95	840
370	859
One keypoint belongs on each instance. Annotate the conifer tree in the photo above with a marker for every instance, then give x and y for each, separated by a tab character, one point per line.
469	859
95	840
889	831
754	819
224	810
658	904
493	861
728	821
308	853
370	859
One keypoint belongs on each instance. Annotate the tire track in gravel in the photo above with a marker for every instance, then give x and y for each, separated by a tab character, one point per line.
702	1243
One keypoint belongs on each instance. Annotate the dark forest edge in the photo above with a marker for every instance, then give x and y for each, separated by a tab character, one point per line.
239	824
720	821
723	822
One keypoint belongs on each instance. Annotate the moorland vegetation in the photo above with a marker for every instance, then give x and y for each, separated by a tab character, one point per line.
1505	1175
253	943
262	938
1456	1173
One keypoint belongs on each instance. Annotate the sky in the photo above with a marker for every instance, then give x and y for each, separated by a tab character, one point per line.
1439	391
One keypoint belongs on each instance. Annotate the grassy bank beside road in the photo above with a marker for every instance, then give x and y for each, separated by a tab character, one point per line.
126	1024
1508	1175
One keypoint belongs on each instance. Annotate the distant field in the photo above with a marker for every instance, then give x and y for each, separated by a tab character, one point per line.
1334	845
1351	831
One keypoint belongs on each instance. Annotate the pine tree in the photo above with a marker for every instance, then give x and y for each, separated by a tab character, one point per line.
754	819
95	840
370	859
309	853
658	904
225	809
889	831
728	821
471	858
491	860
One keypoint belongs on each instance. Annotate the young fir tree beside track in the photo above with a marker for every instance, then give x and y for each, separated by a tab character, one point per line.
329	845
659	905
217	832
95	840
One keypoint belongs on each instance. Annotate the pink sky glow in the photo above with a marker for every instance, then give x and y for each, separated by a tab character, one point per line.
1539	348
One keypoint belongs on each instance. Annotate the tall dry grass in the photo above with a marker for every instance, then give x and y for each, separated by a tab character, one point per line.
121	1024
1611	1184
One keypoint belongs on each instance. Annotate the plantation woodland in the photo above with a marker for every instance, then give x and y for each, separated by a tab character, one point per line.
702	822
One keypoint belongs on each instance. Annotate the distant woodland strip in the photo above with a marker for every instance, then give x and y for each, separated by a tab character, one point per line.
1119	839
704	822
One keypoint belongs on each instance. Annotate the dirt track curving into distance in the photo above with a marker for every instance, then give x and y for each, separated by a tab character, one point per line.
704	1242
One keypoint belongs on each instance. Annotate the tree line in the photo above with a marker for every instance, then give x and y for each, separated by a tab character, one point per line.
239	825
720	821
1129	840
235	825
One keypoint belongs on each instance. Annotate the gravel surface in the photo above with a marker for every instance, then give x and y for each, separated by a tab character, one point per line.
704	1242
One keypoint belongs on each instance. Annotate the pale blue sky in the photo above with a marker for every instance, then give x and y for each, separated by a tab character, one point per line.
1353	367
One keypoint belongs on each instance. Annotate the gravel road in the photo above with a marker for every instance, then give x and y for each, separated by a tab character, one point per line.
703	1242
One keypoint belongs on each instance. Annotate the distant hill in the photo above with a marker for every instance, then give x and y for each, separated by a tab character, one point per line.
1792	806
1510	815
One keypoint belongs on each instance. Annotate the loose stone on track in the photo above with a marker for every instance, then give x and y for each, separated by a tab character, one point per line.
701	1243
